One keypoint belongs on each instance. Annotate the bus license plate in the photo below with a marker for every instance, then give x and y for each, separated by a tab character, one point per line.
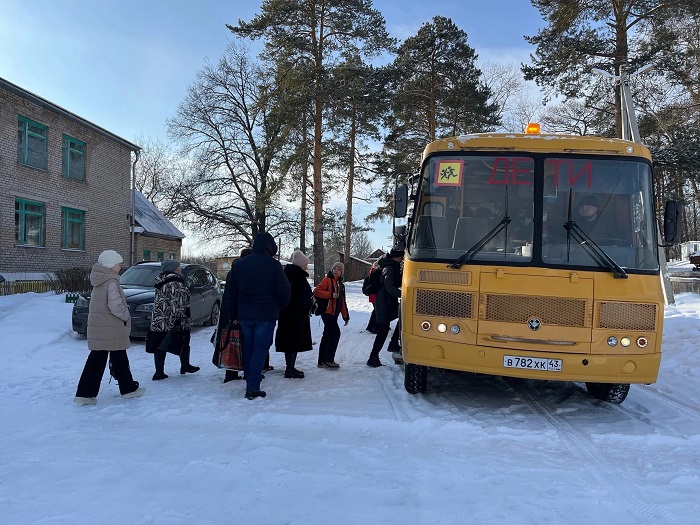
532	363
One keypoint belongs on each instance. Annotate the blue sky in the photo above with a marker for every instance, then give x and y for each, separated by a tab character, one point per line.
126	64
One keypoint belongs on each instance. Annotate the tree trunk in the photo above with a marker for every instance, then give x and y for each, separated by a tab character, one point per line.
351	180
319	260
304	185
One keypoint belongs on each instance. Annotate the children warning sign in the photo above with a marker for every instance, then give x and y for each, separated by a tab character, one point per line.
449	173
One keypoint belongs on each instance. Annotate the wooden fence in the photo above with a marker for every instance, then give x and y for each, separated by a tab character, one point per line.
13	287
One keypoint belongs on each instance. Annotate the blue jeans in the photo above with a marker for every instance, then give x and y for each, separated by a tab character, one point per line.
256	337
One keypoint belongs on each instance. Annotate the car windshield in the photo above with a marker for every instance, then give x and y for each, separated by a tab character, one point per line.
140	275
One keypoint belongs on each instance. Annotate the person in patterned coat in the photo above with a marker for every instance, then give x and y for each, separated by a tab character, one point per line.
171	313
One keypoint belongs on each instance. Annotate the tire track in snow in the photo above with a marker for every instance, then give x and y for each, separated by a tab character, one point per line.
687	410
604	473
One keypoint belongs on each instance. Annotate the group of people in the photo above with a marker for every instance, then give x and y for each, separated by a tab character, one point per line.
260	294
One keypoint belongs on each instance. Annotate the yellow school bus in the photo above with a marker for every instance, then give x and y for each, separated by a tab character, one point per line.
534	256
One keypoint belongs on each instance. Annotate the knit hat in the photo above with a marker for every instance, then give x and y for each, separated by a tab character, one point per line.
395	253
109	259
170	265
590	200
299	259
339	265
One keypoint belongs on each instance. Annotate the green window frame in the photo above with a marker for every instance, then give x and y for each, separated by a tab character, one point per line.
146	255
160	257
73	158
31	143
29	223
72	229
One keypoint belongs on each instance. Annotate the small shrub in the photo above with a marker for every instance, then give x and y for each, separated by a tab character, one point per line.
69	280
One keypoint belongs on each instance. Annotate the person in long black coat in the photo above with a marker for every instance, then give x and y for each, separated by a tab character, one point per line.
224	319
294	326
387	304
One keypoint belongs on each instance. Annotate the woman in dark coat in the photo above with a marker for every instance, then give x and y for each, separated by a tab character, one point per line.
294	327
387	305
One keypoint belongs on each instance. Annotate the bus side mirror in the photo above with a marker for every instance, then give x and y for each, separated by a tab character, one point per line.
400	201
400	237
673	221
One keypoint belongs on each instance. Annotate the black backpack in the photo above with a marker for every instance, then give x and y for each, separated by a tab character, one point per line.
372	283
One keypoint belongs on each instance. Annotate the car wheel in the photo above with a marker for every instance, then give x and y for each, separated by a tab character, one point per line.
214	317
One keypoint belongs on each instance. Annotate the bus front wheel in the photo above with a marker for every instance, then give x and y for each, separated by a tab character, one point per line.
415	378
611	392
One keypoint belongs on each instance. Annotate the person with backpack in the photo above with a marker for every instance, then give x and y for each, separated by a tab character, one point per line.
331	293
370	287
387	304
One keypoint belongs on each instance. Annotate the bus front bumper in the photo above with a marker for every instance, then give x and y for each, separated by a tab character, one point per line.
597	368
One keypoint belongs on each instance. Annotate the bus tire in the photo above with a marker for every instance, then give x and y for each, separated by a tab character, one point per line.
415	378
614	393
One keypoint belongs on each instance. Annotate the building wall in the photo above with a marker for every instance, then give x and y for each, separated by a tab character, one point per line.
104	196
170	248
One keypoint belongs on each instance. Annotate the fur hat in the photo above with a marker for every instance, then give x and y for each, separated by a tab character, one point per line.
299	259
170	265
395	253
590	200
109	259
339	265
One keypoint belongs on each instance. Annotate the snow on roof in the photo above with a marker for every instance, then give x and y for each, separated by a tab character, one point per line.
152	220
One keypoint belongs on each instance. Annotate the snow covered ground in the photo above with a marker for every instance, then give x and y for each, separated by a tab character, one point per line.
345	447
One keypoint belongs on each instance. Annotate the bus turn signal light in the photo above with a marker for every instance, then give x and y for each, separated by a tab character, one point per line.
532	128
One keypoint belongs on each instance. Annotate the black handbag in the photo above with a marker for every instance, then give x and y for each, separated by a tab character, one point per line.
172	342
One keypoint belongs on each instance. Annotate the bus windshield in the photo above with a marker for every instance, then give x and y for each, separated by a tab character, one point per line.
521	209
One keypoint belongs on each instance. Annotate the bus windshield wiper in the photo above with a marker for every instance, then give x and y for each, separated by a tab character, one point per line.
471	252
596	252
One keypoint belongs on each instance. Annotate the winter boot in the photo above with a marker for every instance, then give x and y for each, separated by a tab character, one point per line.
185	366
249	394
374	362
159	360
231	375
293	373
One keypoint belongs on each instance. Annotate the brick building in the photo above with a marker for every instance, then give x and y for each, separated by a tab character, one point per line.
65	187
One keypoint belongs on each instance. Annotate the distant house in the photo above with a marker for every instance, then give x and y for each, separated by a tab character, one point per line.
358	268
65	187
155	237
375	255
223	265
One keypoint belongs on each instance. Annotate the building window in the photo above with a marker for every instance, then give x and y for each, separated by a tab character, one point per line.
72	229
29	223
31	143
171	257
147	255
73	158
160	257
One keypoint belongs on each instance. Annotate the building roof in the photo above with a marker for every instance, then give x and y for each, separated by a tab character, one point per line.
152	220
46	104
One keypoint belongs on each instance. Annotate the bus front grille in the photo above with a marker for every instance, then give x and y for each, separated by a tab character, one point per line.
549	310
626	316
445	304
444	277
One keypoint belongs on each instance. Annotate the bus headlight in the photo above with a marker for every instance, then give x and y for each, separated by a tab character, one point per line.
612	340
425	326
642	342
625	341
454	329
442	328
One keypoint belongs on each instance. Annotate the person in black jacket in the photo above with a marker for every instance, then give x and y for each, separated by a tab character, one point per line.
224	318
387	304
259	290
294	327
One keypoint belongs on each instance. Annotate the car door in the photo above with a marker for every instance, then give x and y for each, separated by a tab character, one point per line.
212	293
194	283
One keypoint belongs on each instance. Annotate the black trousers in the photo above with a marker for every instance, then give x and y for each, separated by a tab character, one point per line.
90	379
290	359
380	338
329	339
372	324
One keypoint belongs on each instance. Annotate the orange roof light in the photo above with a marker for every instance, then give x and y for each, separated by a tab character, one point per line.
533	128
